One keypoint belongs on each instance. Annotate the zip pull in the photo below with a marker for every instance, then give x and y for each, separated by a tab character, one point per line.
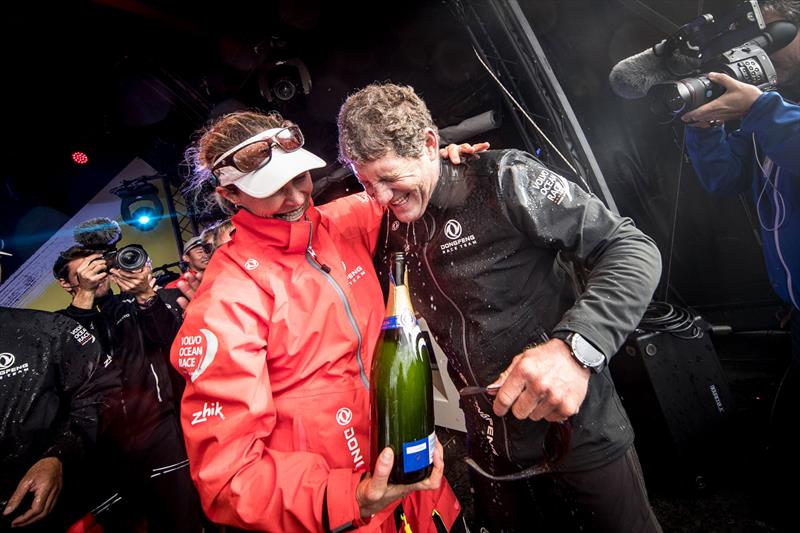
310	251
325	268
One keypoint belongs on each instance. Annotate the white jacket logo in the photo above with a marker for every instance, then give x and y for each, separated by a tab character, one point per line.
343	417
6	369
196	353
453	230
251	264
356	274
6	360
208	410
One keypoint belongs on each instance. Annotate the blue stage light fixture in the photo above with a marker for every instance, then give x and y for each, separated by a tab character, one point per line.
140	204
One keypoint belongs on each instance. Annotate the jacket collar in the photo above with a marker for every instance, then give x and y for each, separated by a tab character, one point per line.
253	230
452	188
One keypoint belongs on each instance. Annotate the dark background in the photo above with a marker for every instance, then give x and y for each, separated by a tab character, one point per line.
119	79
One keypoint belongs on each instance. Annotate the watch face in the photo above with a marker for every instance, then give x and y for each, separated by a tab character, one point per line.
585	353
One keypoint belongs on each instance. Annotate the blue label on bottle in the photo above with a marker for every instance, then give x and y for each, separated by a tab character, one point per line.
418	454
399	321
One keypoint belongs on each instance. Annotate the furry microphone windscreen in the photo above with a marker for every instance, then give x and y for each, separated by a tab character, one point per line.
97	233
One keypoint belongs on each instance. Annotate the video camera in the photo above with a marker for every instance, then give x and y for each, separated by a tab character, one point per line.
735	44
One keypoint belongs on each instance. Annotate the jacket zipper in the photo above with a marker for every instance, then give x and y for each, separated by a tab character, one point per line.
431	232
158	389
314	261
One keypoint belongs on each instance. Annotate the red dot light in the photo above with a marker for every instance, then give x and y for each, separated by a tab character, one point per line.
80	158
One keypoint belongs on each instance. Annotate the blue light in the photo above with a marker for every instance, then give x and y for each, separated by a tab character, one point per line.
144	218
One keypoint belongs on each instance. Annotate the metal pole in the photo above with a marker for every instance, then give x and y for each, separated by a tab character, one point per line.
173	216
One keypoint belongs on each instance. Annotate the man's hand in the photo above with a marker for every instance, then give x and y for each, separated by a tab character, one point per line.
544	382
91	272
139	283
44	479
732	105
453	152
375	492
188	284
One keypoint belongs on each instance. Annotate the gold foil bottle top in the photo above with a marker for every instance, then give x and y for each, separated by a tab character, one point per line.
399	302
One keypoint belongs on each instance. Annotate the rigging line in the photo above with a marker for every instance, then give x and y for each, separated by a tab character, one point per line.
527	116
674	218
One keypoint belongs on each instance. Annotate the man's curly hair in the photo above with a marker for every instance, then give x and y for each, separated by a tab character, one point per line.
382	119
788	9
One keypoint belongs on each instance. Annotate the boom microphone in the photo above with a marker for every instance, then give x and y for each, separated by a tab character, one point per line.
99	233
633	76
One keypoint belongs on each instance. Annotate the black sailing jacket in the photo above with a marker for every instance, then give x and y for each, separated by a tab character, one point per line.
506	253
136	342
51	390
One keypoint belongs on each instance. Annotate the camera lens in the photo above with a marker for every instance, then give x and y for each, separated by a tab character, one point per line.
284	89
131	257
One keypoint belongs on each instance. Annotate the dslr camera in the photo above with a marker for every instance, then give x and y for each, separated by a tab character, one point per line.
735	44
131	257
102	234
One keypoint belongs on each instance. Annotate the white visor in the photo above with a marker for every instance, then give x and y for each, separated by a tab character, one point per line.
282	168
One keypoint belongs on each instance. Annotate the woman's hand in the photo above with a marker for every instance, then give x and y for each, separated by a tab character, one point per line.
453	152
375	492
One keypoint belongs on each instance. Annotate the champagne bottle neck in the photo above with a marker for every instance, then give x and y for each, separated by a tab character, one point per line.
399	302
399	311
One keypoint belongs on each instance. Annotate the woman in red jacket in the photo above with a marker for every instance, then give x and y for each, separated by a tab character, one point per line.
276	348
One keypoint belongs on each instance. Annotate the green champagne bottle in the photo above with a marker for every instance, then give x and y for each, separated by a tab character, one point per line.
401	388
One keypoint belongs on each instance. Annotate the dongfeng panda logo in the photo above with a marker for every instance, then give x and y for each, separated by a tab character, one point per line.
452	229
6	360
344	416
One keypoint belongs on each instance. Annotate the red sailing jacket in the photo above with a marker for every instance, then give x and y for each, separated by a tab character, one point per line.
276	348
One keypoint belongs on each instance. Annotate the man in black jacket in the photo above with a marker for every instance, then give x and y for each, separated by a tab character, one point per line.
50	397
526	281
136	328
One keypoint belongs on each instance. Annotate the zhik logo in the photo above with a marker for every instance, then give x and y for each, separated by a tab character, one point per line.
214	409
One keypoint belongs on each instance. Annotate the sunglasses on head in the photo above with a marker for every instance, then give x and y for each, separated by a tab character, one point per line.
256	151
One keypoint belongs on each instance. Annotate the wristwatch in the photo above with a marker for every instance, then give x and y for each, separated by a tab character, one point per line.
583	351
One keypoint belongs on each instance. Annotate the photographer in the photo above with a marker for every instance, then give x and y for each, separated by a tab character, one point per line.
763	154
140	426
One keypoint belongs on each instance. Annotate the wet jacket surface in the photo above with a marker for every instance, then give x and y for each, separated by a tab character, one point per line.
495	264
50	393
136	342
277	346
731	164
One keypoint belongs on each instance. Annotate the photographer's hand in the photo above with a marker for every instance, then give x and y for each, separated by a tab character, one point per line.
732	105
138	283
91	273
